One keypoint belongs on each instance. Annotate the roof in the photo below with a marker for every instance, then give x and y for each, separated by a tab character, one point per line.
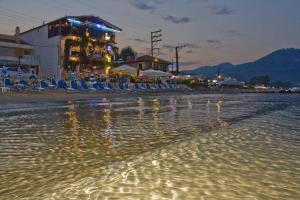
147	58
82	18
11	39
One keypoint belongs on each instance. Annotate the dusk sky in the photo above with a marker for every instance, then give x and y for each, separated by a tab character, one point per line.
214	31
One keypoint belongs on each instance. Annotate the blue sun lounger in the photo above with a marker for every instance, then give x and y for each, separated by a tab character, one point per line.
62	85
53	84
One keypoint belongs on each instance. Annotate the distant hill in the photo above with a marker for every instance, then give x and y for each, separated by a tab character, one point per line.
281	65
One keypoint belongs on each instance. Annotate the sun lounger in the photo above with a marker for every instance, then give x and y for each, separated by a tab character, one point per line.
62	85
43	86
7	85
53	84
73	85
83	85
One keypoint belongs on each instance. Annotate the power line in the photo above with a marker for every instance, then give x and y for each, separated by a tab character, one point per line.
155	39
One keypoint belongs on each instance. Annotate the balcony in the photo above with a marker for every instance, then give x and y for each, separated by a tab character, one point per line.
26	60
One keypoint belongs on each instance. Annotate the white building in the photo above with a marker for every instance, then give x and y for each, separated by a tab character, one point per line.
14	52
82	44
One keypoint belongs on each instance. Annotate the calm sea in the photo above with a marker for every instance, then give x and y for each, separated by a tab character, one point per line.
242	146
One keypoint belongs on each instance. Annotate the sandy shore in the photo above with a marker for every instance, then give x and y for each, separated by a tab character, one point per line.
52	96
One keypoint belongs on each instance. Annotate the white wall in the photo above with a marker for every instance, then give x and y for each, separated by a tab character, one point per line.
48	50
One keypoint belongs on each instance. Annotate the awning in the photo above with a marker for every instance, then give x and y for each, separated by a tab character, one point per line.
155	73
125	69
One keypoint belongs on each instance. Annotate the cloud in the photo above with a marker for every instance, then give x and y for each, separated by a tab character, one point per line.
221	10
150	5
213	41
176	20
166	46
189	52
192	46
138	40
234	33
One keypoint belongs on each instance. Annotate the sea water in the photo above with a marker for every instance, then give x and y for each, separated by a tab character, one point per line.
238	146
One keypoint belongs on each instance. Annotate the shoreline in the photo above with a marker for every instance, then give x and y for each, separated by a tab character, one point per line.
56	96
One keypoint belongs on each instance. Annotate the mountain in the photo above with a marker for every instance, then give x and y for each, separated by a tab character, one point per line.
281	65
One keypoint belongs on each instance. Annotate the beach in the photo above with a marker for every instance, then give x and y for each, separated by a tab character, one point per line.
60	95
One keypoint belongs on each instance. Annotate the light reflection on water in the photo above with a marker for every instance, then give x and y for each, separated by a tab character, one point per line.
181	147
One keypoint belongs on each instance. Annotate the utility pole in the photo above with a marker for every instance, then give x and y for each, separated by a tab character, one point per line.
155	38
172	65
177	59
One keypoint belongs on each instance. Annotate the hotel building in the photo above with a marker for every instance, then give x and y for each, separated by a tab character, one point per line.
81	44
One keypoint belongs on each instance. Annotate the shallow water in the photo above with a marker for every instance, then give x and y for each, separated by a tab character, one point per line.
244	146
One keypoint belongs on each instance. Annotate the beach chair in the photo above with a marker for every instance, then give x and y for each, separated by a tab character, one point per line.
100	85
62	85
53	84
143	86
73	85
136	86
148	86
24	83
7	85
121	86
110	86
175	86
43	85
170	86
95	86
159	86
126	86
154	86
83	85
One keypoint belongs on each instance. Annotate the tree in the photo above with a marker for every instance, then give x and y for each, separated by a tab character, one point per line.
260	80
127	52
282	84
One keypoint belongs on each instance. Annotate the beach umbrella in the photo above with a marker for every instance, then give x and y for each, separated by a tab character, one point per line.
155	73
125	69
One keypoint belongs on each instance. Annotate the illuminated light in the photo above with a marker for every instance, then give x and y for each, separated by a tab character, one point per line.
107	69
103	27
108	58
106	28
107	37
87	34
74	21
73	58
109	48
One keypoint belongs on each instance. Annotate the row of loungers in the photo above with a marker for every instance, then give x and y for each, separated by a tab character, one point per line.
83	85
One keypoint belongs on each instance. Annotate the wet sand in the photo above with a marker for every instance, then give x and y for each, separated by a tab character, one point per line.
57	95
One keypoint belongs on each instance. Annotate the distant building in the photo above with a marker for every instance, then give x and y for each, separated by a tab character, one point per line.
230	82
148	62
82	44
15	52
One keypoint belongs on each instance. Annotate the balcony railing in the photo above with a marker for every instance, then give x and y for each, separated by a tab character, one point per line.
26	60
